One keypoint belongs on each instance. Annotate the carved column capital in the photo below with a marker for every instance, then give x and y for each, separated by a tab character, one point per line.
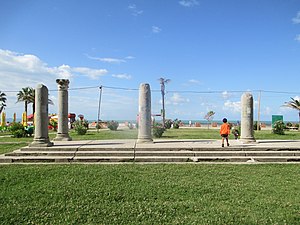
63	84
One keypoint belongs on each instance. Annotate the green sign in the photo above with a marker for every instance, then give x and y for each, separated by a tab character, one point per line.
276	118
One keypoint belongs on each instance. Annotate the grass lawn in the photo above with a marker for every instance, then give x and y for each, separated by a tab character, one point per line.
150	194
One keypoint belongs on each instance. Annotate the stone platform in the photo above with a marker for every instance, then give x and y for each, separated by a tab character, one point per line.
160	151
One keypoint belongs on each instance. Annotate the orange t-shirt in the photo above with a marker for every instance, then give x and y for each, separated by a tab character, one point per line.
225	128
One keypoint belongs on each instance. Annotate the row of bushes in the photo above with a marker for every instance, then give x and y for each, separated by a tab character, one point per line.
81	126
18	130
159	129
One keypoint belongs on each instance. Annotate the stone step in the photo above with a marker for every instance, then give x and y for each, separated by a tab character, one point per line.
153	153
154	149
153	159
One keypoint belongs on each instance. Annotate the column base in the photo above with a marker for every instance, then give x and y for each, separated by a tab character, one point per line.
41	142
62	137
247	140
144	141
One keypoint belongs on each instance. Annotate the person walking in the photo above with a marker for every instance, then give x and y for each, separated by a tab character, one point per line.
225	131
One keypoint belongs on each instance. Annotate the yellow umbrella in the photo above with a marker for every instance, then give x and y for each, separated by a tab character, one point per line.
24	119
3	119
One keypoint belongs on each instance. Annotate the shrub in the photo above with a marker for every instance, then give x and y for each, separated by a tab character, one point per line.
168	124
113	125
278	127
255	126
85	123
289	124
130	126
17	130
19	133
81	130
16	126
80	127
158	130
176	123
98	126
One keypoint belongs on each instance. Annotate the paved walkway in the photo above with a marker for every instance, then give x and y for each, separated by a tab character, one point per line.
178	144
160	151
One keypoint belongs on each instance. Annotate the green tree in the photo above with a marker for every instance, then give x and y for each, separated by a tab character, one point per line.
209	117
26	95
2	101
294	104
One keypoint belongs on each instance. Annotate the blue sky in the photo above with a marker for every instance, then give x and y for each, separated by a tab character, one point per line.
212	50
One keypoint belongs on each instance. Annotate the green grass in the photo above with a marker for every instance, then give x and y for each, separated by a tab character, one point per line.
106	134
8	147
150	194
187	133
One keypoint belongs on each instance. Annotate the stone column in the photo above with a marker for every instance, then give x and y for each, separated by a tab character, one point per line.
62	126
247	133
144	132
41	138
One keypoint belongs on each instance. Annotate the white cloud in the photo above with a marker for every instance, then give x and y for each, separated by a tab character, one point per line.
232	106
91	73
122	76
296	19
188	3
134	10
267	111
18	70
193	81
177	99
156	29
109	60
297	38
226	95
129	57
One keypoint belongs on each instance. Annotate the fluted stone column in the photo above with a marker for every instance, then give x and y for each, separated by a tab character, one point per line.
144	132
63	102
41	136
247	133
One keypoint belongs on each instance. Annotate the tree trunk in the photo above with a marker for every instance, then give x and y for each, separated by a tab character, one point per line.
26	104
163	109
299	122
33	108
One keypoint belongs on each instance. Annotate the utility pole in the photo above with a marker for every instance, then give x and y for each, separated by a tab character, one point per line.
258	111
162	82
99	107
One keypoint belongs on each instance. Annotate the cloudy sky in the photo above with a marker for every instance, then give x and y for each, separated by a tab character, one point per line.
211	50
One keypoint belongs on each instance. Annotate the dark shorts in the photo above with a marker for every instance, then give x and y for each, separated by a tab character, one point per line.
224	135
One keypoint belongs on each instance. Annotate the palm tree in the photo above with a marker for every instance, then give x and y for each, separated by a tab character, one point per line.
162	82
26	95
294	104
209	116
2	101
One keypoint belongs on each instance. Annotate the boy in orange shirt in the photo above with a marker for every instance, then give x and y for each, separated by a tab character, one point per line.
225	131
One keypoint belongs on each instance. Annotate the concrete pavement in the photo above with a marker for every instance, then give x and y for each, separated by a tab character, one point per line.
160	151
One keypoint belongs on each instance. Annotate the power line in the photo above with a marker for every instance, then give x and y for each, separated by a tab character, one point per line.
173	91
